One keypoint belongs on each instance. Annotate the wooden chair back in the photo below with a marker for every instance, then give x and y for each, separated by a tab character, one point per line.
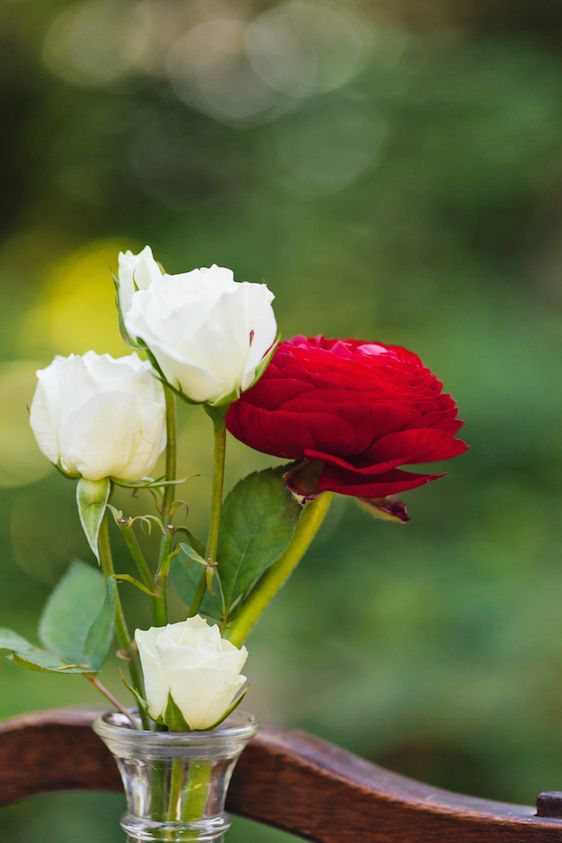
286	779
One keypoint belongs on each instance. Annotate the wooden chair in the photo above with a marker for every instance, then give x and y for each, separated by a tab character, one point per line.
286	779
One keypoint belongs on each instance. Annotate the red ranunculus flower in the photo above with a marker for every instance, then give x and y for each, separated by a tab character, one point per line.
350	413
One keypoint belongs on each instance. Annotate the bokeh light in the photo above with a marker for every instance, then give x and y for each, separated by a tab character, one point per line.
47	559
325	146
77	310
95	42
307	47
210	70
21	461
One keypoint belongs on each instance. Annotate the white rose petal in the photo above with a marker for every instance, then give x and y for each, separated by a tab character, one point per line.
96	416
135	272
155	685
207	332
202	710
190	661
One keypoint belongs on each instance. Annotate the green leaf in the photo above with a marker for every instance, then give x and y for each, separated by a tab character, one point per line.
22	652
71	611
258	521
100	635
92	497
76	627
185	577
10	640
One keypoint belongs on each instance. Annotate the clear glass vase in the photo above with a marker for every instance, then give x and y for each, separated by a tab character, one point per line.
176	782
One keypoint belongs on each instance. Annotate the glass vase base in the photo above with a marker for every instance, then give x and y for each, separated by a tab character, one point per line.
147	831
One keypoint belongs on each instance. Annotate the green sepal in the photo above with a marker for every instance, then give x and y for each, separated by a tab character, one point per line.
67	474
177	390
173	718
153	361
192	553
233	706
193	541
390	508
301	478
233	396
125	336
226	400
92	497
264	363
141	702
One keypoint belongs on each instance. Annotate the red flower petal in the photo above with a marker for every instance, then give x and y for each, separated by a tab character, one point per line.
417	445
392	483
351	412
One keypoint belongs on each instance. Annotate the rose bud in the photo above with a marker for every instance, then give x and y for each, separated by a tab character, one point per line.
208	334
95	416
136	272
190	662
351	414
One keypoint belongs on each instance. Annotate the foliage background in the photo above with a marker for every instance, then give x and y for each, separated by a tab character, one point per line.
393	171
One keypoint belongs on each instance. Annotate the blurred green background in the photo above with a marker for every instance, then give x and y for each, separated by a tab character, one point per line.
393	171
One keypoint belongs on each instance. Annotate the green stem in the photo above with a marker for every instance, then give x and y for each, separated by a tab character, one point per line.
186	796
106	561
198	597
187	799
135	550
309	524
198	781
176	790
161	580
167	540
218	417
137	584
169	491
121	629
117	704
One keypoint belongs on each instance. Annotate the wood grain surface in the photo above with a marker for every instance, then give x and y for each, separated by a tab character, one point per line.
286	779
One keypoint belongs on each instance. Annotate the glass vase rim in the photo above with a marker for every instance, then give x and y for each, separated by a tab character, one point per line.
240	725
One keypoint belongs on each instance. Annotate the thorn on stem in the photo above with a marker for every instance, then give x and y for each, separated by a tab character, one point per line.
124	655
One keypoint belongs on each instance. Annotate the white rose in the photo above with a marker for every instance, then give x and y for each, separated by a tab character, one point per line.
135	272
190	661
208	332
98	417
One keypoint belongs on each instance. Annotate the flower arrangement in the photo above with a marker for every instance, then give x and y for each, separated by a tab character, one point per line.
345	416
